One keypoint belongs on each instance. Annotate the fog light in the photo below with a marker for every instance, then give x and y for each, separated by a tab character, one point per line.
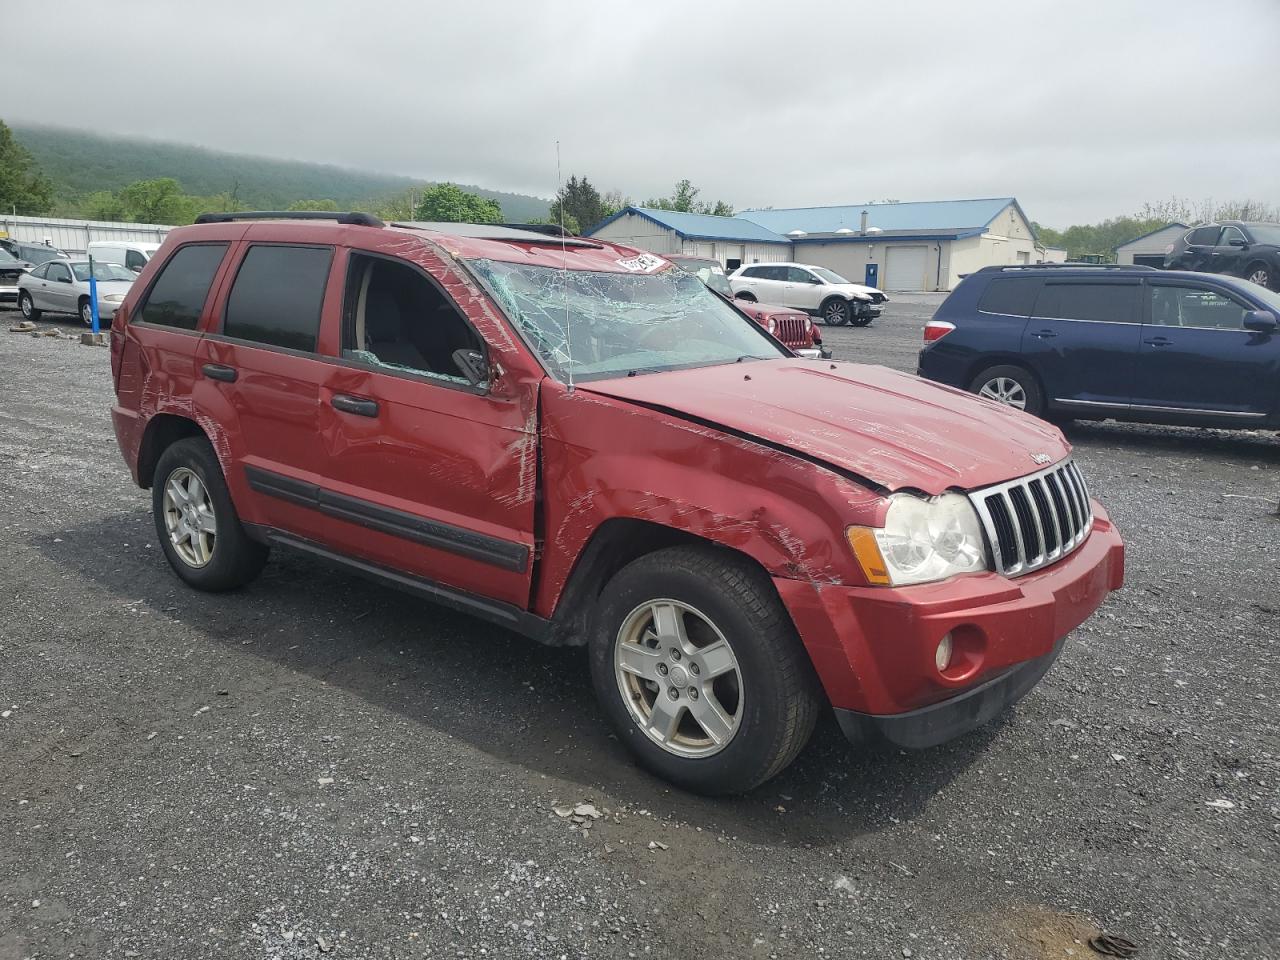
942	656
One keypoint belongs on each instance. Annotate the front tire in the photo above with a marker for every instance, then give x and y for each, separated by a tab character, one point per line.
86	312
1013	386
699	669
28	307
836	312
198	527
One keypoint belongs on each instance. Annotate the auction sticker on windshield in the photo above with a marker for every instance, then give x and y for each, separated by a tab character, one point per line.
644	263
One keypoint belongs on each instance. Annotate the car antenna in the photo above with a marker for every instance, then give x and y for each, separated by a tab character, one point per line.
564	272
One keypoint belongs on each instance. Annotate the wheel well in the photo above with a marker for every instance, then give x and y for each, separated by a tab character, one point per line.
164	430
746	295
1255	264
615	543
834	296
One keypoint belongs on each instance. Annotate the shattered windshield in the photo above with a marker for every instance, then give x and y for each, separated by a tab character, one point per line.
616	324
709	272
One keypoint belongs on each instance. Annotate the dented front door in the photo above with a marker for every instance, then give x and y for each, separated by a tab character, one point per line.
432	477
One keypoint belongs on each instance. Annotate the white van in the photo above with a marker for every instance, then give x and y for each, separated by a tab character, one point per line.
133	254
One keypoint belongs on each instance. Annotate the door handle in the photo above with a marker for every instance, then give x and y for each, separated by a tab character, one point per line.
216	371
1159	341
360	406
1044	334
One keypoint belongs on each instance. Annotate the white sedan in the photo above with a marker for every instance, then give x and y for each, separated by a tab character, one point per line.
62	286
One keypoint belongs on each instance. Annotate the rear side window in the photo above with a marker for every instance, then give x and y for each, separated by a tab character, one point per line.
277	296
1203	236
178	295
756	272
1100	302
1014	297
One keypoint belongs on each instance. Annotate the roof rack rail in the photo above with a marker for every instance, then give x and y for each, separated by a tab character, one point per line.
357	219
550	229
997	268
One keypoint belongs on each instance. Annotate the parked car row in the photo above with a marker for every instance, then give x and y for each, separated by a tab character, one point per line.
793	327
1116	342
816	290
592	448
39	278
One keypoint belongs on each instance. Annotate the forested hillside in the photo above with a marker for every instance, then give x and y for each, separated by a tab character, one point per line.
80	164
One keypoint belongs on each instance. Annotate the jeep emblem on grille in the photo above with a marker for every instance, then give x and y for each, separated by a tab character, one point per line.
1041	458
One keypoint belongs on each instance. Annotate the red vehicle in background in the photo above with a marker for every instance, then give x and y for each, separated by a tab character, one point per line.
794	328
582	443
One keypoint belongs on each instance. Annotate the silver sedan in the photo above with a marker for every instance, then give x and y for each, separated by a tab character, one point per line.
62	286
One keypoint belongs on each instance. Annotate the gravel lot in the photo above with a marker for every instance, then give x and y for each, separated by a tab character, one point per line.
320	767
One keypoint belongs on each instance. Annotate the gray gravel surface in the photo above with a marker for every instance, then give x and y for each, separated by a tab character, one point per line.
319	767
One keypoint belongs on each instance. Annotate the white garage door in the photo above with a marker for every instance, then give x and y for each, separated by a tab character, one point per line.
904	268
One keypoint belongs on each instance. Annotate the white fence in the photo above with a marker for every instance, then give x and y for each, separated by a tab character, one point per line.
74	236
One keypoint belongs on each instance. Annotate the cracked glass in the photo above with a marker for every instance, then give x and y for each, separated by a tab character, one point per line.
600	325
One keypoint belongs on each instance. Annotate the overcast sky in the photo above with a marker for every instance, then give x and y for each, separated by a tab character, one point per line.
1081	110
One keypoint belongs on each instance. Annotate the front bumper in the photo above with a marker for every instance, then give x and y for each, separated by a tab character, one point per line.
864	308
809	353
940	722
874	647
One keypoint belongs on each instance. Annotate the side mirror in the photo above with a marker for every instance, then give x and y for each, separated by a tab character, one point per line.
1262	321
473	366
1237	242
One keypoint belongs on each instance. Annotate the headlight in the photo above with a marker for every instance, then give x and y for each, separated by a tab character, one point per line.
773	326
921	541
114	297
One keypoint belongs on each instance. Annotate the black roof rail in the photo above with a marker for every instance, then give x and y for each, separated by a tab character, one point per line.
357	219
997	268
550	229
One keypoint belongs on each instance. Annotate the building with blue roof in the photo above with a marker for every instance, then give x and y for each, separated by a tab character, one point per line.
912	246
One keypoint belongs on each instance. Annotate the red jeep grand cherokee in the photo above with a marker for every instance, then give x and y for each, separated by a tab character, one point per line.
582	443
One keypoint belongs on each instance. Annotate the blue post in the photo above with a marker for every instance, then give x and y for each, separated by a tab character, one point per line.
93	297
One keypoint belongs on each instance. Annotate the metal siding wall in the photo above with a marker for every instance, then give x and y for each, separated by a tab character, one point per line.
638	232
73	236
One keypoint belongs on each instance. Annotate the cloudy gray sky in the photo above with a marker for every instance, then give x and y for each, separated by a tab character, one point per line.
1081	110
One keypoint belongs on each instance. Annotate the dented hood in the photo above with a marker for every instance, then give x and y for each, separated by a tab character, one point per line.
895	430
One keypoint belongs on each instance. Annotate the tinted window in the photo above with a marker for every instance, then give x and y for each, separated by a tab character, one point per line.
773	273
756	272
38	254
1195	307
59	272
1016	297
277	296
1203	236
177	298
394	317
1114	302
134	260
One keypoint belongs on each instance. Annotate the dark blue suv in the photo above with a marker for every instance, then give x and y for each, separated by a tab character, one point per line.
1068	341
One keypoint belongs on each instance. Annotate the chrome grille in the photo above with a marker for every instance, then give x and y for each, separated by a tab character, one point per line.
1035	520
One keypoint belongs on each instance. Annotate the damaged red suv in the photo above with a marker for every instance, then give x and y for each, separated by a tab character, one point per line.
582	443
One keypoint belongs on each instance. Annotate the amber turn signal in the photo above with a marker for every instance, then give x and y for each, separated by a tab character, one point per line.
867	552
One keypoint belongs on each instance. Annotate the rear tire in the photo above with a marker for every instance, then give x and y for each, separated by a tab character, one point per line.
27	306
198	527
1261	274
1013	386
695	635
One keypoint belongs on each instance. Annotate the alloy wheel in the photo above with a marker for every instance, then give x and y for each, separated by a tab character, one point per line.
27	307
86	314
1005	390
189	517
1261	276
837	313
679	678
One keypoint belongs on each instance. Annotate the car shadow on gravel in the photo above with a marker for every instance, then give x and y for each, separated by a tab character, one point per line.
510	697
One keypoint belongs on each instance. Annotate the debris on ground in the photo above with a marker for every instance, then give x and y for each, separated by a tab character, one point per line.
658	845
1113	945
